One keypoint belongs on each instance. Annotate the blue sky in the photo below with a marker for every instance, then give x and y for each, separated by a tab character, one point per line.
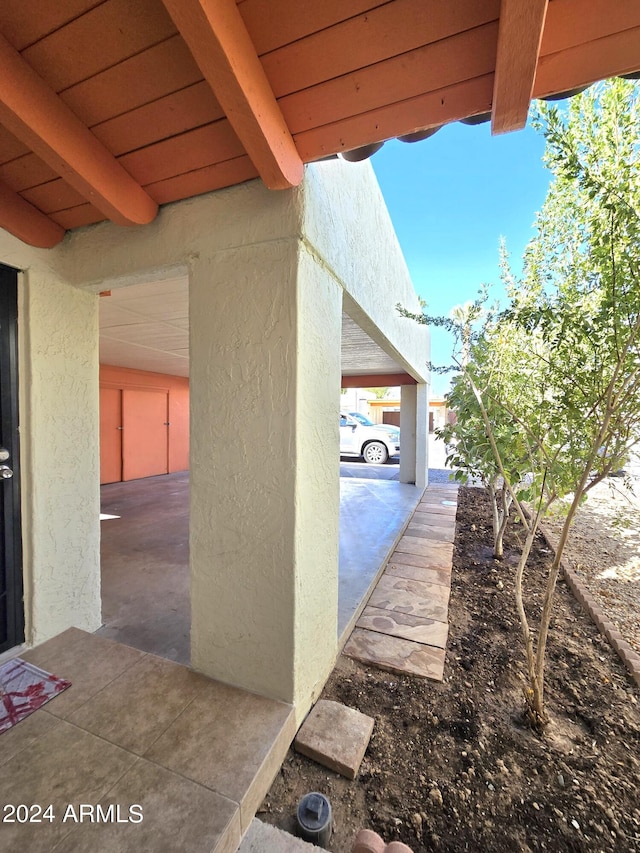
451	198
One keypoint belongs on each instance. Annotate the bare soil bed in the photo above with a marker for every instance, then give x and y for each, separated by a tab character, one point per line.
451	766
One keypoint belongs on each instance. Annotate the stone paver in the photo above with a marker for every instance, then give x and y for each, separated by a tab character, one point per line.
404	626
421	589
424	547
335	736
431	531
408	602
419	573
440	559
396	655
438	509
428	516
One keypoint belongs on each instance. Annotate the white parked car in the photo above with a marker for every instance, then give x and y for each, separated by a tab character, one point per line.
393	431
373	443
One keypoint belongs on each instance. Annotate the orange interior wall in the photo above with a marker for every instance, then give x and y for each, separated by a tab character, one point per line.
178	390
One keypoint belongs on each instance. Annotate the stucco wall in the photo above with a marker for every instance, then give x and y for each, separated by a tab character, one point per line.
242	524
317	486
58	365
58	403
245	215
268	274
347	223
265	366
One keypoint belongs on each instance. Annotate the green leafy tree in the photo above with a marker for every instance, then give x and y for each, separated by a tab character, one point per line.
489	362
555	380
581	295
380	393
488	355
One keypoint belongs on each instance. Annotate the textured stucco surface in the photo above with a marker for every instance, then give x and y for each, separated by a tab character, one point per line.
58	328
109	256
422	437
265	331
242	333
348	224
317	483
269	275
408	427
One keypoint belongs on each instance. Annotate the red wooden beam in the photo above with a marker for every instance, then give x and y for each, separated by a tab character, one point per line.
377	380
26	222
39	118
218	39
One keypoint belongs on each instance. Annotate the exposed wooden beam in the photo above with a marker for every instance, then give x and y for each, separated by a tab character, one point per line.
377	380
26	222
222	47
519	39
39	118
585	63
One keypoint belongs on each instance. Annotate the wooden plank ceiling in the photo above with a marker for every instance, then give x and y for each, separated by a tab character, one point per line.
109	108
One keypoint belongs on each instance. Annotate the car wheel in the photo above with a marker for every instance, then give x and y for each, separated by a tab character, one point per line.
375	453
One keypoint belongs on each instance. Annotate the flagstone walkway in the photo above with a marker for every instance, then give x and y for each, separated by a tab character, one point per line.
404	626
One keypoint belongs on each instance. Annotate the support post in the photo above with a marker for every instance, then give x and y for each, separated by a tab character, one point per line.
422	435
265	325
407	434
414	434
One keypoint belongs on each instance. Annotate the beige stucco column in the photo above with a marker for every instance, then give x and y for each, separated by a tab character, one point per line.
422	434
414	429
265	325
59	434
407	472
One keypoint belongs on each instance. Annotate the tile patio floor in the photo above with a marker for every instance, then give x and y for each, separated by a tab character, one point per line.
404	626
197	755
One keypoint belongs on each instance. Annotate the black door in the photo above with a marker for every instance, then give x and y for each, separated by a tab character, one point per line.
11	607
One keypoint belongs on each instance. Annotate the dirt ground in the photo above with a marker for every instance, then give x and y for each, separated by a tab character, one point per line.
451	766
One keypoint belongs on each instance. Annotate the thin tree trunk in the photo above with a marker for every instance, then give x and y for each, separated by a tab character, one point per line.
493	496
545	619
495	516
547	605
504	518
532	694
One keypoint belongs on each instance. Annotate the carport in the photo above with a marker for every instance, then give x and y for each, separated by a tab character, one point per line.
145	547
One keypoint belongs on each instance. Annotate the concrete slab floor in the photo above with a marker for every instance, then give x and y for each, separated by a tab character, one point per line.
195	757
264	838
350	467
145	555
145	565
372	515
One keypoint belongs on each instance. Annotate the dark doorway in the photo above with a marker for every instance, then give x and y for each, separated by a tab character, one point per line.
11	604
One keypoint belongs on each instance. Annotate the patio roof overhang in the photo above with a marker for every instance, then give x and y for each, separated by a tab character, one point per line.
145	327
109	108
